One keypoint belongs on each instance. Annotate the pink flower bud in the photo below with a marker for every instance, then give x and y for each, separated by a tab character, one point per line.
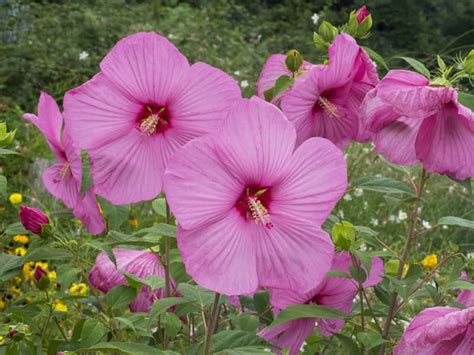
32	219
362	14
39	273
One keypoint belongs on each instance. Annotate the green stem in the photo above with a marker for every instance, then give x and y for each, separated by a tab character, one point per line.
212	326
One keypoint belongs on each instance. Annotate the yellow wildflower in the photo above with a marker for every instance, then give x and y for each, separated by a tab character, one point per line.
2	340
58	306
16	280
3	304
430	262
20	251
52	275
22	239
42	265
78	289
28	270
15	198
133	222
15	290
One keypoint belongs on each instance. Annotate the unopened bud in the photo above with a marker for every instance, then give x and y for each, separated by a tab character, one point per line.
468	63
327	31
33	219
293	60
343	235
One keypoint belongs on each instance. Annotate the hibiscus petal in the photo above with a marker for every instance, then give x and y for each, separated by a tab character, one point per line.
294	254
445	143
255	142
221	256
89	213
376	272
273	68
196	177
314	180
146	66
65	187
98	113
343	57
201	103
290	335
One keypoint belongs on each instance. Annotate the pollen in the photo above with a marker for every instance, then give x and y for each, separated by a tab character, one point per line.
156	121
259	212
328	107
63	172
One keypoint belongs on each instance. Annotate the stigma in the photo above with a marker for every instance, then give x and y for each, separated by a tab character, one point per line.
64	172
329	108
156	121
259	212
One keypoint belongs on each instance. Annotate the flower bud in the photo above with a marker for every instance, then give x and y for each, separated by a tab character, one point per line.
41	278
293	60
362	14
327	31
33	219
343	235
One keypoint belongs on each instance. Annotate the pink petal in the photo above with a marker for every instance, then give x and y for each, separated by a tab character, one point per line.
255	143
376	272
98	113
201	103
375	113
357	94
67	188
298	270
49	121
146	66
314	180
221	256
196	177
343	55
273	68
87	210
290	335
445	143
396	141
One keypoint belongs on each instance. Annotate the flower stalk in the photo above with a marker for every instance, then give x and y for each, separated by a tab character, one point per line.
212	326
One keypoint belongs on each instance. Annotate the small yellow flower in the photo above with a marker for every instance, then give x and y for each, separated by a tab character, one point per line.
15	198
16	280
58	306
3	304
28	270
15	290
52	275
133	222
2	340
406	267
22	239
41	265
430	262
78	289
20	251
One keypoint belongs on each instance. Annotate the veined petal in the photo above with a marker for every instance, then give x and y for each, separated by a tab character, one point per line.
445	143
87	210
98	113
255	142
273	68
196	177
343	61
146	66
201	103
314	180
60	182
221	255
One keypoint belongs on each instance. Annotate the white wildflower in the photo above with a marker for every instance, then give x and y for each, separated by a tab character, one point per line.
315	18
347	197
358	192
402	215
244	84
374	221
426	224
83	55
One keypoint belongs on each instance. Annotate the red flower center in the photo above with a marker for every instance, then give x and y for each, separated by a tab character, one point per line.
254	203
153	119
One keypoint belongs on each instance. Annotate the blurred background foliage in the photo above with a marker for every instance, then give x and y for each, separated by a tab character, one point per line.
56	45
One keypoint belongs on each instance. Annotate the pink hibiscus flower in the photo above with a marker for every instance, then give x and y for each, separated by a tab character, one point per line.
413	122
325	102
142	264
274	68
146	102
63	180
439	330
250	206
335	292
466	297
88	211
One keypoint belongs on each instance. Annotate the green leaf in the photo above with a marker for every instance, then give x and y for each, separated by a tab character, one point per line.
3	185
198	294
159	206
261	301
92	332
166	230
456	221
245	350
370	340
171	323
335	273
114	214
383	184
234	339
306	311
466	99
377	58
162	305
153	281
248	322
460	284
348	343
128	348
358	273
417	65
120	296
8	152
281	84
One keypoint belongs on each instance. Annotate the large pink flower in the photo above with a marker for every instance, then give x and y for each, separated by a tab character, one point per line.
413	122
439	331
274	68
88	211
466	297
63	179
335	292
325	102
142	264
250	206
146	102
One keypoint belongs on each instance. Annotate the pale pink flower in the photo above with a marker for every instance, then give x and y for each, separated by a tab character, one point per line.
335	292
250	205
325	101
439	330
146	102
142	264
414	122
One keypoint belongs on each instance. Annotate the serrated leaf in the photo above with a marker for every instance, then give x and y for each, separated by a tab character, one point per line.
456	221
92	332
120	296
417	65
383	184
306	311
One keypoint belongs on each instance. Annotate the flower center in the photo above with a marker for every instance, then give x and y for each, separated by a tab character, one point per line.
252	204
63	172
328	107
154	121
